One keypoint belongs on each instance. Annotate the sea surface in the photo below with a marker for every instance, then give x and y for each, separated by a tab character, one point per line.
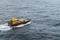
44	14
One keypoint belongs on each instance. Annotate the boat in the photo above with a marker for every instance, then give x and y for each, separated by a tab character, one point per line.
19	25
6	27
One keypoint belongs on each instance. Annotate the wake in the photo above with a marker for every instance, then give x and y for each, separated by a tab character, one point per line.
5	28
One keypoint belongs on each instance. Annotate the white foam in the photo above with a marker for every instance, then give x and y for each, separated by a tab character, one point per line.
4	28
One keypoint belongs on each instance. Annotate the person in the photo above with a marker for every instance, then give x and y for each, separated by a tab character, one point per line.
15	22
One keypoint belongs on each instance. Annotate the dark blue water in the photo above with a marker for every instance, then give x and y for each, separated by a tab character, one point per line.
45	16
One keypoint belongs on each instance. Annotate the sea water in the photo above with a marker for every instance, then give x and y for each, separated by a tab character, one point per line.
44	14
